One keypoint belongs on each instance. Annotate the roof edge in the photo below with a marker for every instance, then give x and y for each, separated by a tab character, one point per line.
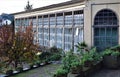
51	6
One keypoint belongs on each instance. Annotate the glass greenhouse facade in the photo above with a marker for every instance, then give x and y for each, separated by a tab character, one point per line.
62	30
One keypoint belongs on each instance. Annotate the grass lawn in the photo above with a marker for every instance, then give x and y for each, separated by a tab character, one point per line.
45	71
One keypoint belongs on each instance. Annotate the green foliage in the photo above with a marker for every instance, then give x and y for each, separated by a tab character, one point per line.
60	72
55	57
75	64
83	44
68	59
87	57
92	56
20	69
56	54
111	52
9	72
54	49
95	55
53	54
45	56
81	48
116	48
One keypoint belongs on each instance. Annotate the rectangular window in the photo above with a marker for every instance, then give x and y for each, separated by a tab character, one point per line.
34	20
68	20
45	21
59	37
68	39
78	18
46	36
59	20
40	22
52	21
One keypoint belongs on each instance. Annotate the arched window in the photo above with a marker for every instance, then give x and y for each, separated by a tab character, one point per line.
105	17
105	29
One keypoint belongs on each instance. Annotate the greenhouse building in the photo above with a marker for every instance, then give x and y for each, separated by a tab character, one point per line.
65	24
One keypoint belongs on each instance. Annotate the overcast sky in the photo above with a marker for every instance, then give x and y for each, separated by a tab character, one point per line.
13	6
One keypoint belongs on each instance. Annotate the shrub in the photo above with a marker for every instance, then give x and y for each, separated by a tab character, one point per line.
116	48
54	49
111	52
68	59
20	69
45	56
75	64
76	67
61	73
81	48
9	72
91	57
55	57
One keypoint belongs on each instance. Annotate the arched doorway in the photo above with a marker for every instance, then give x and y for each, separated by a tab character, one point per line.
105	29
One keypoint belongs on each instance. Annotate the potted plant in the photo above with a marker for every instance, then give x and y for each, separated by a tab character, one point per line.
87	59
76	67
61	73
91	58
31	65
19	69
8	71
111	58
37	63
67	59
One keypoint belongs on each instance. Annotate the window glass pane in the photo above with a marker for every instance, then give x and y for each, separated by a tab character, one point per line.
59	20
68	20
96	32
102	32
105	17
108	32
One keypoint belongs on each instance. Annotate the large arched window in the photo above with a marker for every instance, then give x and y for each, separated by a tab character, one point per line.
105	17
105	29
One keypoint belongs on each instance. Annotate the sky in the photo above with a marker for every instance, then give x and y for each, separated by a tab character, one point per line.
13	6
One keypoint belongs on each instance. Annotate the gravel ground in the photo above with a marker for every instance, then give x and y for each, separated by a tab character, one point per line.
48	70
106	73
45	71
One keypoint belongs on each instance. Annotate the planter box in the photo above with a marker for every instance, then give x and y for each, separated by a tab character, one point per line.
87	71
111	62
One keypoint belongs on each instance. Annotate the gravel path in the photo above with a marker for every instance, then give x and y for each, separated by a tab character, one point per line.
48	70
45	71
106	73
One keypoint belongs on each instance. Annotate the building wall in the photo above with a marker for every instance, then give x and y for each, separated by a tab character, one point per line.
91	9
64	34
62	26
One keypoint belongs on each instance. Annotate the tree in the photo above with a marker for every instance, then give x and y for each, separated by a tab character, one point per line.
22	45
6	36
16	47
28	7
